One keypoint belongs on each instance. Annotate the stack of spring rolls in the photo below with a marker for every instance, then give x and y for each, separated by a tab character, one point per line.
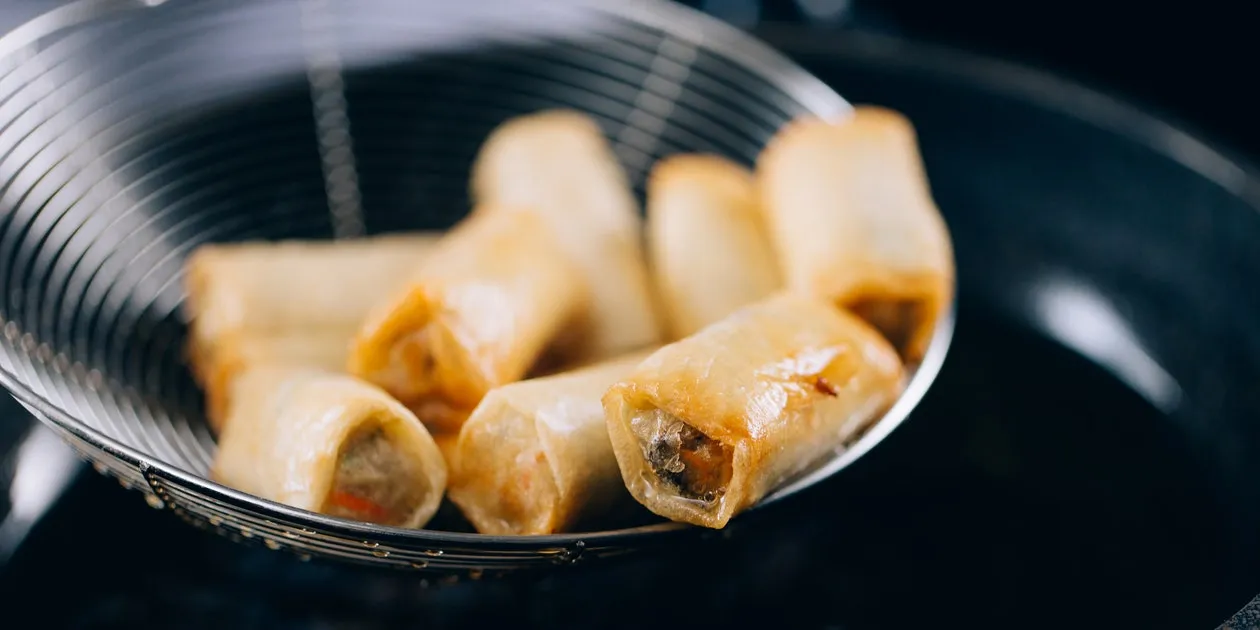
548	368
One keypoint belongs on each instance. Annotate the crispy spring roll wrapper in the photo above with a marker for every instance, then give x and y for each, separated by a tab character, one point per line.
323	349
272	287
534	457
707	426
707	242
481	311
332	444
852	218
559	164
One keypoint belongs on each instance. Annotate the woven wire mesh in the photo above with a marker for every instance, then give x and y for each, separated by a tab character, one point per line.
133	131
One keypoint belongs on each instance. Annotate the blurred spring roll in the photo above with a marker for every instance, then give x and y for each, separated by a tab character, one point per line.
269	287
332	444
707	426
287	303
706	241
534	457
446	442
852	219
481	311
558	164
324	349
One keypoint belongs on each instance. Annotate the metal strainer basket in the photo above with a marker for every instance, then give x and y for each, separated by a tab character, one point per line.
132	131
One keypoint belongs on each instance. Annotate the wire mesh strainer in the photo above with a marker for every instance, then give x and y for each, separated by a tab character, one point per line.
132	131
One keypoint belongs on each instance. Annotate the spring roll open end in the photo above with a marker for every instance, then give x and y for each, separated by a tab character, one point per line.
329	443
688	461
517	493
903	309
678	472
479	313
421	366
393	349
708	426
377	479
907	323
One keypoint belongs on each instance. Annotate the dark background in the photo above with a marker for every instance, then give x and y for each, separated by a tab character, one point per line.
1191	62
1188	59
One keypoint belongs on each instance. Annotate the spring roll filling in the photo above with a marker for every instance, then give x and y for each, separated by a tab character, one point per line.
695	465
416	375
412	365
375	480
897	319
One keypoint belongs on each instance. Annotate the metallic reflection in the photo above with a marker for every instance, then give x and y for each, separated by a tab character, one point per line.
43	468
1080	318
825	10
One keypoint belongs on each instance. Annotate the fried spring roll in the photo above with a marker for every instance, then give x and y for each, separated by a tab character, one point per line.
706	241
852	219
269	287
534	457
287	303
481	311
559	164
332	444
707	426
324	349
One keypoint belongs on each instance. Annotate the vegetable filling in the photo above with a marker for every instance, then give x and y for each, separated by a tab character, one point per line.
692	463
375	481
412	365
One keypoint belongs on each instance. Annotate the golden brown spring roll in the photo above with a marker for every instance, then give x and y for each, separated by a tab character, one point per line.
852	219
268	287
534	457
706	241
332	444
481	311
558	164
285	303
707	426
324	349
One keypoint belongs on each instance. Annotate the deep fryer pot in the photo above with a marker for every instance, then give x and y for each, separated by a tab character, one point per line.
1088	457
